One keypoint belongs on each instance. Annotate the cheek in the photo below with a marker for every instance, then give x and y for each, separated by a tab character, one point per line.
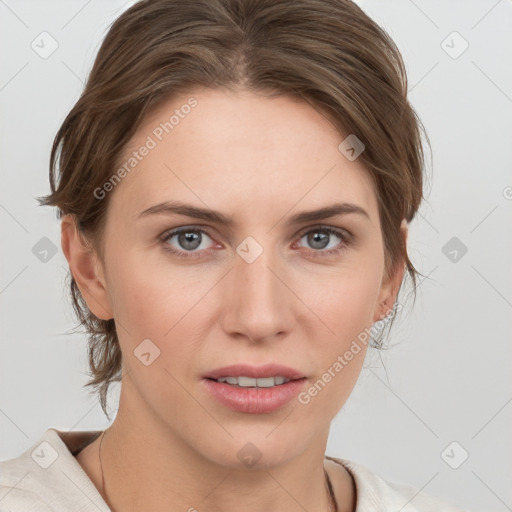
345	299
346	308
343	304
159	306
156	301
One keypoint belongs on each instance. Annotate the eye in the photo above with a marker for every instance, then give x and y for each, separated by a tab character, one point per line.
321	240
191	242
188	241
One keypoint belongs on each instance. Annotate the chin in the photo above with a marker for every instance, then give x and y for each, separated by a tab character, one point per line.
251	450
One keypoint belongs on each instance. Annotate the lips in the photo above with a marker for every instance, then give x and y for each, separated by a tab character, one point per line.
254	389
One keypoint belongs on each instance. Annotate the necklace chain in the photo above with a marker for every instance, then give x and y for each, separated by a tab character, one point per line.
332	498
102	476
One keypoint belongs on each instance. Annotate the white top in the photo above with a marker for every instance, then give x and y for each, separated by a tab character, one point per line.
48	478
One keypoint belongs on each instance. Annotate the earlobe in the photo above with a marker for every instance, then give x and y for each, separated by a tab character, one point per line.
391	283
388	293
86	268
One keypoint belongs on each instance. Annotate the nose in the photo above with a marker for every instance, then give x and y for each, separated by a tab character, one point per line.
258	305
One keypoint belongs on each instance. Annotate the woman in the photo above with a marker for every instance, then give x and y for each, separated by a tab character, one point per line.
235	185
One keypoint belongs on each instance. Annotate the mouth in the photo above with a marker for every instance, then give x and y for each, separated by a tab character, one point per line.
255	390
245	375
250	382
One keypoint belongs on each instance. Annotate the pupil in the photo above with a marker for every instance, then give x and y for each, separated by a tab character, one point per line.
189	240
318	240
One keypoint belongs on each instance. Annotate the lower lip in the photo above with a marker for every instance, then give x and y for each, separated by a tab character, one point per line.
254	400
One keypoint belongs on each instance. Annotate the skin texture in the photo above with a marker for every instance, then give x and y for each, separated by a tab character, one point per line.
258	160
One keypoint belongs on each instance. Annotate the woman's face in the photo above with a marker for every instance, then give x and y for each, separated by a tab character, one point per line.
252	285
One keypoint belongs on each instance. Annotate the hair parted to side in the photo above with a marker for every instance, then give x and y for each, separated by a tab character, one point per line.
326	52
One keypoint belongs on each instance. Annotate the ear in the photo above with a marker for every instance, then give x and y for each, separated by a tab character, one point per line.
86	267
391	283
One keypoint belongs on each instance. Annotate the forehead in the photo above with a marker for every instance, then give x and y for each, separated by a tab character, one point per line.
238	150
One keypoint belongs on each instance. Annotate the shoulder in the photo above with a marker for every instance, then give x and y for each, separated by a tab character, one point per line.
374	494
47	478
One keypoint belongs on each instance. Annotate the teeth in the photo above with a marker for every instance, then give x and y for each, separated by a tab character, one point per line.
249	382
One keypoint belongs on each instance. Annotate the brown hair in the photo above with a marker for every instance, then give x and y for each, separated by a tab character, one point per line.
326	52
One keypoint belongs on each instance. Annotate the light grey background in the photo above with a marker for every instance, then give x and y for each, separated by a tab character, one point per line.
448	377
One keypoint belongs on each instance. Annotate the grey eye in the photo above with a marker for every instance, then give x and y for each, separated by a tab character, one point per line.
320	238
188	239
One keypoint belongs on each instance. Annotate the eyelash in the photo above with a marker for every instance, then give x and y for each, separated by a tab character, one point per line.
344	235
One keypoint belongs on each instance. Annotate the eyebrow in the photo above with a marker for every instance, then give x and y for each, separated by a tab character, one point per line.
173	207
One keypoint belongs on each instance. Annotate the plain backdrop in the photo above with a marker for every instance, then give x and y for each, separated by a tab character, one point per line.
435	410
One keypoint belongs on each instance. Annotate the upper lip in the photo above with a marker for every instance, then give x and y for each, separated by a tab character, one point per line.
256	372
